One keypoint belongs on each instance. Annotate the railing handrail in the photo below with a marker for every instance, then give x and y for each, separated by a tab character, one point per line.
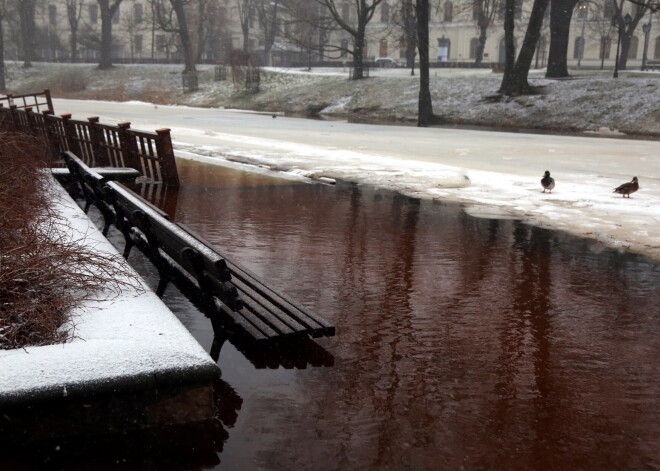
98	144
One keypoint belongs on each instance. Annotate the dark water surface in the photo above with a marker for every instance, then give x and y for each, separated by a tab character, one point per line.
462	343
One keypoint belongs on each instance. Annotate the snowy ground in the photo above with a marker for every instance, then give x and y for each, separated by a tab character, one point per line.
495	174
130	338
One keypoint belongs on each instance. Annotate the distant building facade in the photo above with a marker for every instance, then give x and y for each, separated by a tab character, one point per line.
216	30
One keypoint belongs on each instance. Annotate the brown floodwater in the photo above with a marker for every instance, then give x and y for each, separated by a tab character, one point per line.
462	343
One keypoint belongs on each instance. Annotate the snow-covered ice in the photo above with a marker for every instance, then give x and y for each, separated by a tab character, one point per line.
495	174
130	336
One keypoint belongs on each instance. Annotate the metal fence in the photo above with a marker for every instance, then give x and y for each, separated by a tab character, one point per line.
98	145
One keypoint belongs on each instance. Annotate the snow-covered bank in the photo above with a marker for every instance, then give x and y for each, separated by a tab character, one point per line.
591	100
131	339
503	170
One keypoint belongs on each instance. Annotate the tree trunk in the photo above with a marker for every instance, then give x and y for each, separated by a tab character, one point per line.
358	51
561	12
107	12
28	30
3	84
518	84
425	111
479	53
509	44
184	36
74	46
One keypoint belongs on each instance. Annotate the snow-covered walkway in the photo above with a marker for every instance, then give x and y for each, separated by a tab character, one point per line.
495	174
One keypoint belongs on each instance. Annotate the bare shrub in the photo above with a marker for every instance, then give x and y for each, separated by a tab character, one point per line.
44	273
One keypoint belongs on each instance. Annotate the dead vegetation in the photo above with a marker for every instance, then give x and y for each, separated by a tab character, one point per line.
44	272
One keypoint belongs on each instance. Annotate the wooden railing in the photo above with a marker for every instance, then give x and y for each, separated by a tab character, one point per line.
98	145
41	101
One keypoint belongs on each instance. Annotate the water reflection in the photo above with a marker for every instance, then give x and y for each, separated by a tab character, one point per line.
462	342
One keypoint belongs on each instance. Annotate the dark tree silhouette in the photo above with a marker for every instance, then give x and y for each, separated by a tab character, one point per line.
425	112
362	11
28	30
108	9
73	13
561	12
3	84
515	81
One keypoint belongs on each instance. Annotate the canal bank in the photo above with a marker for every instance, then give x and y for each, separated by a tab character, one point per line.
129	365
494	174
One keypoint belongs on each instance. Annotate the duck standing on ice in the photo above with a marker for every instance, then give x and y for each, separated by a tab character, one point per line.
547	182
627	188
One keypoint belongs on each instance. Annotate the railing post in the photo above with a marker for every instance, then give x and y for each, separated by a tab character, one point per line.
13	125
70	137
129	148
52	136
49	100
166	156
32	122
96	138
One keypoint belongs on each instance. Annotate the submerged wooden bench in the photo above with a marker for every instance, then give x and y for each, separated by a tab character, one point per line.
214	284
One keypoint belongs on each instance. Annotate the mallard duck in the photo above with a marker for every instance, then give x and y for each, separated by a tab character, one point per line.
548	182
627	188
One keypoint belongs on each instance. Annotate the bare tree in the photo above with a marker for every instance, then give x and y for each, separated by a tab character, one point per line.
108	9
425	110
267	12
515	78
406	19
26	10
3	14
245	12
600	28
362	11
561	12
485	12
627	28
74	12
179	26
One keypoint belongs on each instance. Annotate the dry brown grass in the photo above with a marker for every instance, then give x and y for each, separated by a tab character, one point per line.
44	274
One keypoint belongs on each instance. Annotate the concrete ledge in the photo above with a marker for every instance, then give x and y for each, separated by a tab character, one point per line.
131	362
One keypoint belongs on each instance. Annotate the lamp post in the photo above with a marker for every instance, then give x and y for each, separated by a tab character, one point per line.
647	29
621	26
582	13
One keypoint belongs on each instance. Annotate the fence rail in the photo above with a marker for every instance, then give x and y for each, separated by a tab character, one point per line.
97	144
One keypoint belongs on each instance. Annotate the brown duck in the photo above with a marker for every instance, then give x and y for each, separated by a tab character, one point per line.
627	188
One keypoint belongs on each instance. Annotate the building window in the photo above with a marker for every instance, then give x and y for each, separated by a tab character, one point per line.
382	51
605	44
138	43
346	12
578	48
385	13
115	17
634	46
448	14
656	52
52	15
608	11
517	13
138	13
474	44
93	14
444	49
161	43
344	47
